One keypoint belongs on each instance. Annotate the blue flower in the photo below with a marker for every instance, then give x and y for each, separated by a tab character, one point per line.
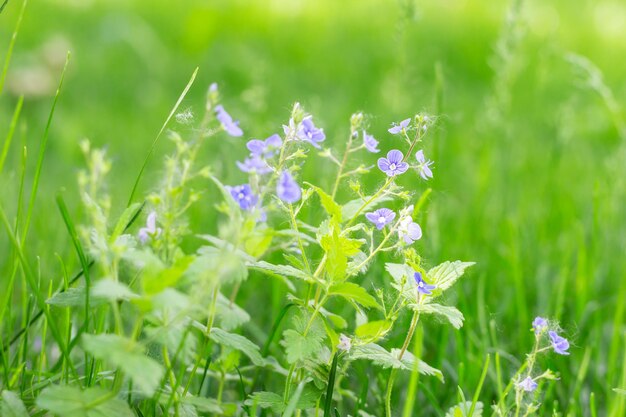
265	147
287	188
528	384
422	286
539	324
408	230
231	127
254	164
424	165
308	132
244	196
371	144
559	344
381	217
397	128
392	165
150	231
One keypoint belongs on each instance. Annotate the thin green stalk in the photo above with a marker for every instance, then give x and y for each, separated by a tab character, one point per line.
331	385
7	58
413	382
294	224
9	137
483	375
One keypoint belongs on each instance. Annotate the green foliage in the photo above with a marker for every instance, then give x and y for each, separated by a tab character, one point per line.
127	355
67	401
305	341
238	342
463	410
12	405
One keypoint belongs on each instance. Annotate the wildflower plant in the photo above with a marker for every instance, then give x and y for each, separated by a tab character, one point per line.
161	330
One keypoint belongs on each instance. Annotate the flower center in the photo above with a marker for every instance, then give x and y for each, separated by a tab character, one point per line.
392	167
381	220
241	196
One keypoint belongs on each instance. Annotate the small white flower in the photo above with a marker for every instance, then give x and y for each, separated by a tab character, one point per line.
345	343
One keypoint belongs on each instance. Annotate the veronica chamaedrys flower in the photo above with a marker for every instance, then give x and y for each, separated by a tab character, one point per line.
150	231
244	196
345	343
399	127
254	164
539	325
371	144
392	165
308	132
409	231
287	188
265	147
559	344
422	286
527	384
423	165
230	126
381	217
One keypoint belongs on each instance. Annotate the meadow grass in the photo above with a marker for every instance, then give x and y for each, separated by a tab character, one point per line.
529	178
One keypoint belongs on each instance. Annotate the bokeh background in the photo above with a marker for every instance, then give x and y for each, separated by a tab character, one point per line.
529	148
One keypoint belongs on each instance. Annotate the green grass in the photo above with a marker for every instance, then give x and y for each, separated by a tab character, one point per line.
530	150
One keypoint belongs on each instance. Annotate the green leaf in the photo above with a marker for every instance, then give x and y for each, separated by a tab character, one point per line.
408	361
127	355
265	399
214	264
338	249
447	273
373	330
332	208
620	391
204	404
129	213
238	342
462	410
381	357
303	342
354	292
110	290
454	316
229	314
12	405
282	270
73	297
66	401
166	277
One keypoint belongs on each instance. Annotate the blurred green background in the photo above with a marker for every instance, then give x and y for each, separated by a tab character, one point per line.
529	149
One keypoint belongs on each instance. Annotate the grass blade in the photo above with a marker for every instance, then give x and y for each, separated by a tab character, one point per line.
480	386
331	386
7	57
156	139
9	138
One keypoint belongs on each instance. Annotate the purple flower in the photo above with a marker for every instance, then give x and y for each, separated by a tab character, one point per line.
409	230
392	165
150	231
370	143
231	127
244	196
308	132
254	164
424	165
528	384
264	147
287	188
539	324
422	286
559	344
397	128
381	217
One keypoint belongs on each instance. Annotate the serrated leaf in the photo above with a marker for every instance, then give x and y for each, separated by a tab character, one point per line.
283	270
12	405
463	409
303	342
373	330
381	357
264	399
229	314
338	249
354	292
66	401
454	316
110	290
128	355
204	404
332	208
73	297
446	274
238	342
